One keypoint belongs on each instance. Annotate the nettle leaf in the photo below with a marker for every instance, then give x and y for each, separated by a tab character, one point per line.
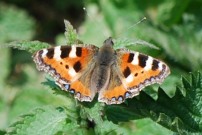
57	90
70	34
181	113
33	46
45	121
126	42
30	46
93	118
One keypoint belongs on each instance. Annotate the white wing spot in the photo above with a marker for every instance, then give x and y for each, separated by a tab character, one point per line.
57	53
72	72
149	63
45	51
130	78
135	59
160	66
72	54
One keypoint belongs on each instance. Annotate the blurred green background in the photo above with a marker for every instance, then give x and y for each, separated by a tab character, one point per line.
175	26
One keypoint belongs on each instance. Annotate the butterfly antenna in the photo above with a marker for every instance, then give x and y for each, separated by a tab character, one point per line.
95	22
144	18
130	27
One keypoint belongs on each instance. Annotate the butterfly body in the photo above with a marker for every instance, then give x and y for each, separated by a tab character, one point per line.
115	75
104	59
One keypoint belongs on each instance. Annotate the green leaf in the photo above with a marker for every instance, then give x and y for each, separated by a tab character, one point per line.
181	113
57	90
92	112
70	34
45	121
30	46
126	42
148	127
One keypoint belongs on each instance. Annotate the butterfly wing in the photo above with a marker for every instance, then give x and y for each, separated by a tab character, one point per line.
69	65
134	72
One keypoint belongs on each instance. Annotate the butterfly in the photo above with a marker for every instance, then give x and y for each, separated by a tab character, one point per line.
85	70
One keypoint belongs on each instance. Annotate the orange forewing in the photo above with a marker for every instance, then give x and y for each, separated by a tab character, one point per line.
62	66
140	75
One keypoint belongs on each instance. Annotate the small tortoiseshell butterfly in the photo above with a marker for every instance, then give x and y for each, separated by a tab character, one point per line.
115	75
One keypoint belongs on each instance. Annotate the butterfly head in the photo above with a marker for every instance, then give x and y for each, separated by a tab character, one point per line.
106	54
107	46
108	42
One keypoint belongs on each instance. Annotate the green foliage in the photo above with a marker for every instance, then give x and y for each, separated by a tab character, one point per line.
30	46
183	117
11	26
173	26
70	34
181	113
15	24
42	121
